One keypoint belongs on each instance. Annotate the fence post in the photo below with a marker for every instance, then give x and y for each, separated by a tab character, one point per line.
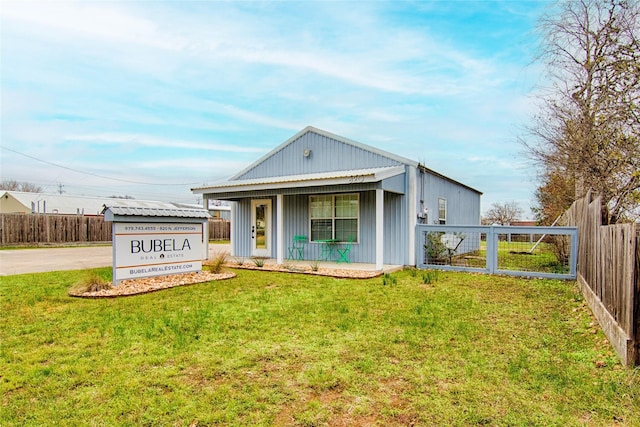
573	256
492	250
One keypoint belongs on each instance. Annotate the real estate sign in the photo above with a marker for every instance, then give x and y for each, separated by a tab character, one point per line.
143	249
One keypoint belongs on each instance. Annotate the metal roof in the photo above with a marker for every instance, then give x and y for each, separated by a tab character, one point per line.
171	212
73	205
306	180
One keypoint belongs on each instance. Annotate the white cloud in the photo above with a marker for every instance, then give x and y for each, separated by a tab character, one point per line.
150	141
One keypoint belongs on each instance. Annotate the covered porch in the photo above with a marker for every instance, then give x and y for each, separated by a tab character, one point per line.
333	269
266	215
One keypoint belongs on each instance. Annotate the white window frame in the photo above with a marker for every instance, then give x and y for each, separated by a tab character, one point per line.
333	214
442	219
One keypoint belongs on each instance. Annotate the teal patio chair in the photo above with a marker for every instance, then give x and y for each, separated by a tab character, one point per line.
296	251
343	253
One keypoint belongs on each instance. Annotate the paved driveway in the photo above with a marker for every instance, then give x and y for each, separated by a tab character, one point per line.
20	261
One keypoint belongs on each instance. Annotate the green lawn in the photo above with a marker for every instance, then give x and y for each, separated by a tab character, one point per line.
284	349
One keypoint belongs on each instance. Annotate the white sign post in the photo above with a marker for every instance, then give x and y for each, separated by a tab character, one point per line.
156	249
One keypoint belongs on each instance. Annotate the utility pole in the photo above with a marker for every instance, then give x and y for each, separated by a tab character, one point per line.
60	190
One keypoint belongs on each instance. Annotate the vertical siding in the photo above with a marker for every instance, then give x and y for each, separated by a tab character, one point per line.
463	204
296	221
327	154
396	240
366	249
242	228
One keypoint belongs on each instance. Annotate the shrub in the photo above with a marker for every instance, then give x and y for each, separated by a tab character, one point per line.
215	265
259	262
91	282
435	250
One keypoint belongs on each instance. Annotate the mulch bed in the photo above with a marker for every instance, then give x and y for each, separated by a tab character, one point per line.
152	284
339	273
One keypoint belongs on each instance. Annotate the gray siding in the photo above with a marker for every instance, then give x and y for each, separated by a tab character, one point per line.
296	222
327	154
241	229
396	240
463	204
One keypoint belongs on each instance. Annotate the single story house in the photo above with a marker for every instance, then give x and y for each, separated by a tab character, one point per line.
332	189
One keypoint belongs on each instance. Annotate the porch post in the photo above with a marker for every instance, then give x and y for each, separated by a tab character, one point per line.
413	213
280	229
232	232
379	229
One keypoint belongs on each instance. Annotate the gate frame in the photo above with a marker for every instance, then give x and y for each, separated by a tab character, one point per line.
492	232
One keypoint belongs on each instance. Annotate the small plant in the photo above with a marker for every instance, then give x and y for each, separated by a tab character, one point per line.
240	260
412	271
215	265
430	276
435	250
315	265
259	262
92	282
388	279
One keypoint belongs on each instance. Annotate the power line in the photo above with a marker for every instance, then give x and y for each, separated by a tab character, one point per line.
93	174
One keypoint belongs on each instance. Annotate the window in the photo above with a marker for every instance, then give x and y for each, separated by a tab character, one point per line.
442	211
334	217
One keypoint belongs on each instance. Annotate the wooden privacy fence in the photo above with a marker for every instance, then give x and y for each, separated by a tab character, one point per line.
609	275
219	229
20	229
37	228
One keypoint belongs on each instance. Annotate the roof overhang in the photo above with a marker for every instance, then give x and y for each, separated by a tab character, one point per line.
355	176
134	214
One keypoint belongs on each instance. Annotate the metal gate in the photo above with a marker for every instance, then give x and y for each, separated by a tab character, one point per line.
548	252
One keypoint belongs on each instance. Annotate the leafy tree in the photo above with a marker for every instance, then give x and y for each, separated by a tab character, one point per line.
503	213
12	185
589	122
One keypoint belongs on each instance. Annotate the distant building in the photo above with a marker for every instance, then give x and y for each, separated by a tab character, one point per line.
19	202
219	211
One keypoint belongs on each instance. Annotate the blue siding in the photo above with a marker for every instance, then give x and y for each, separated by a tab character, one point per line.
327	154
296	222
396	240
463	204
241	229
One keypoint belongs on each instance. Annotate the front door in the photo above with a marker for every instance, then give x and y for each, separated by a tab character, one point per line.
261	228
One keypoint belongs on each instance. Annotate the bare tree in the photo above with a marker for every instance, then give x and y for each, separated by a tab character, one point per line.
589	125
503	214
12	185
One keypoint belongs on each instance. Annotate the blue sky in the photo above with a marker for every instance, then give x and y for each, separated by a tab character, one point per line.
152	98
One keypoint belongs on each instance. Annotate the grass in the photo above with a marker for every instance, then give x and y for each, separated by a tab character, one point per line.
282	349
516	256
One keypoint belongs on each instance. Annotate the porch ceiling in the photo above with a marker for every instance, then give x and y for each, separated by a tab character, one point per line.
345	177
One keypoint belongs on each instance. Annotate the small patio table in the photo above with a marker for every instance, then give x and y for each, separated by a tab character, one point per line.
328	246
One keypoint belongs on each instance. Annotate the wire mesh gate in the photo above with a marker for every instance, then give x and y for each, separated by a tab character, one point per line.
549	252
